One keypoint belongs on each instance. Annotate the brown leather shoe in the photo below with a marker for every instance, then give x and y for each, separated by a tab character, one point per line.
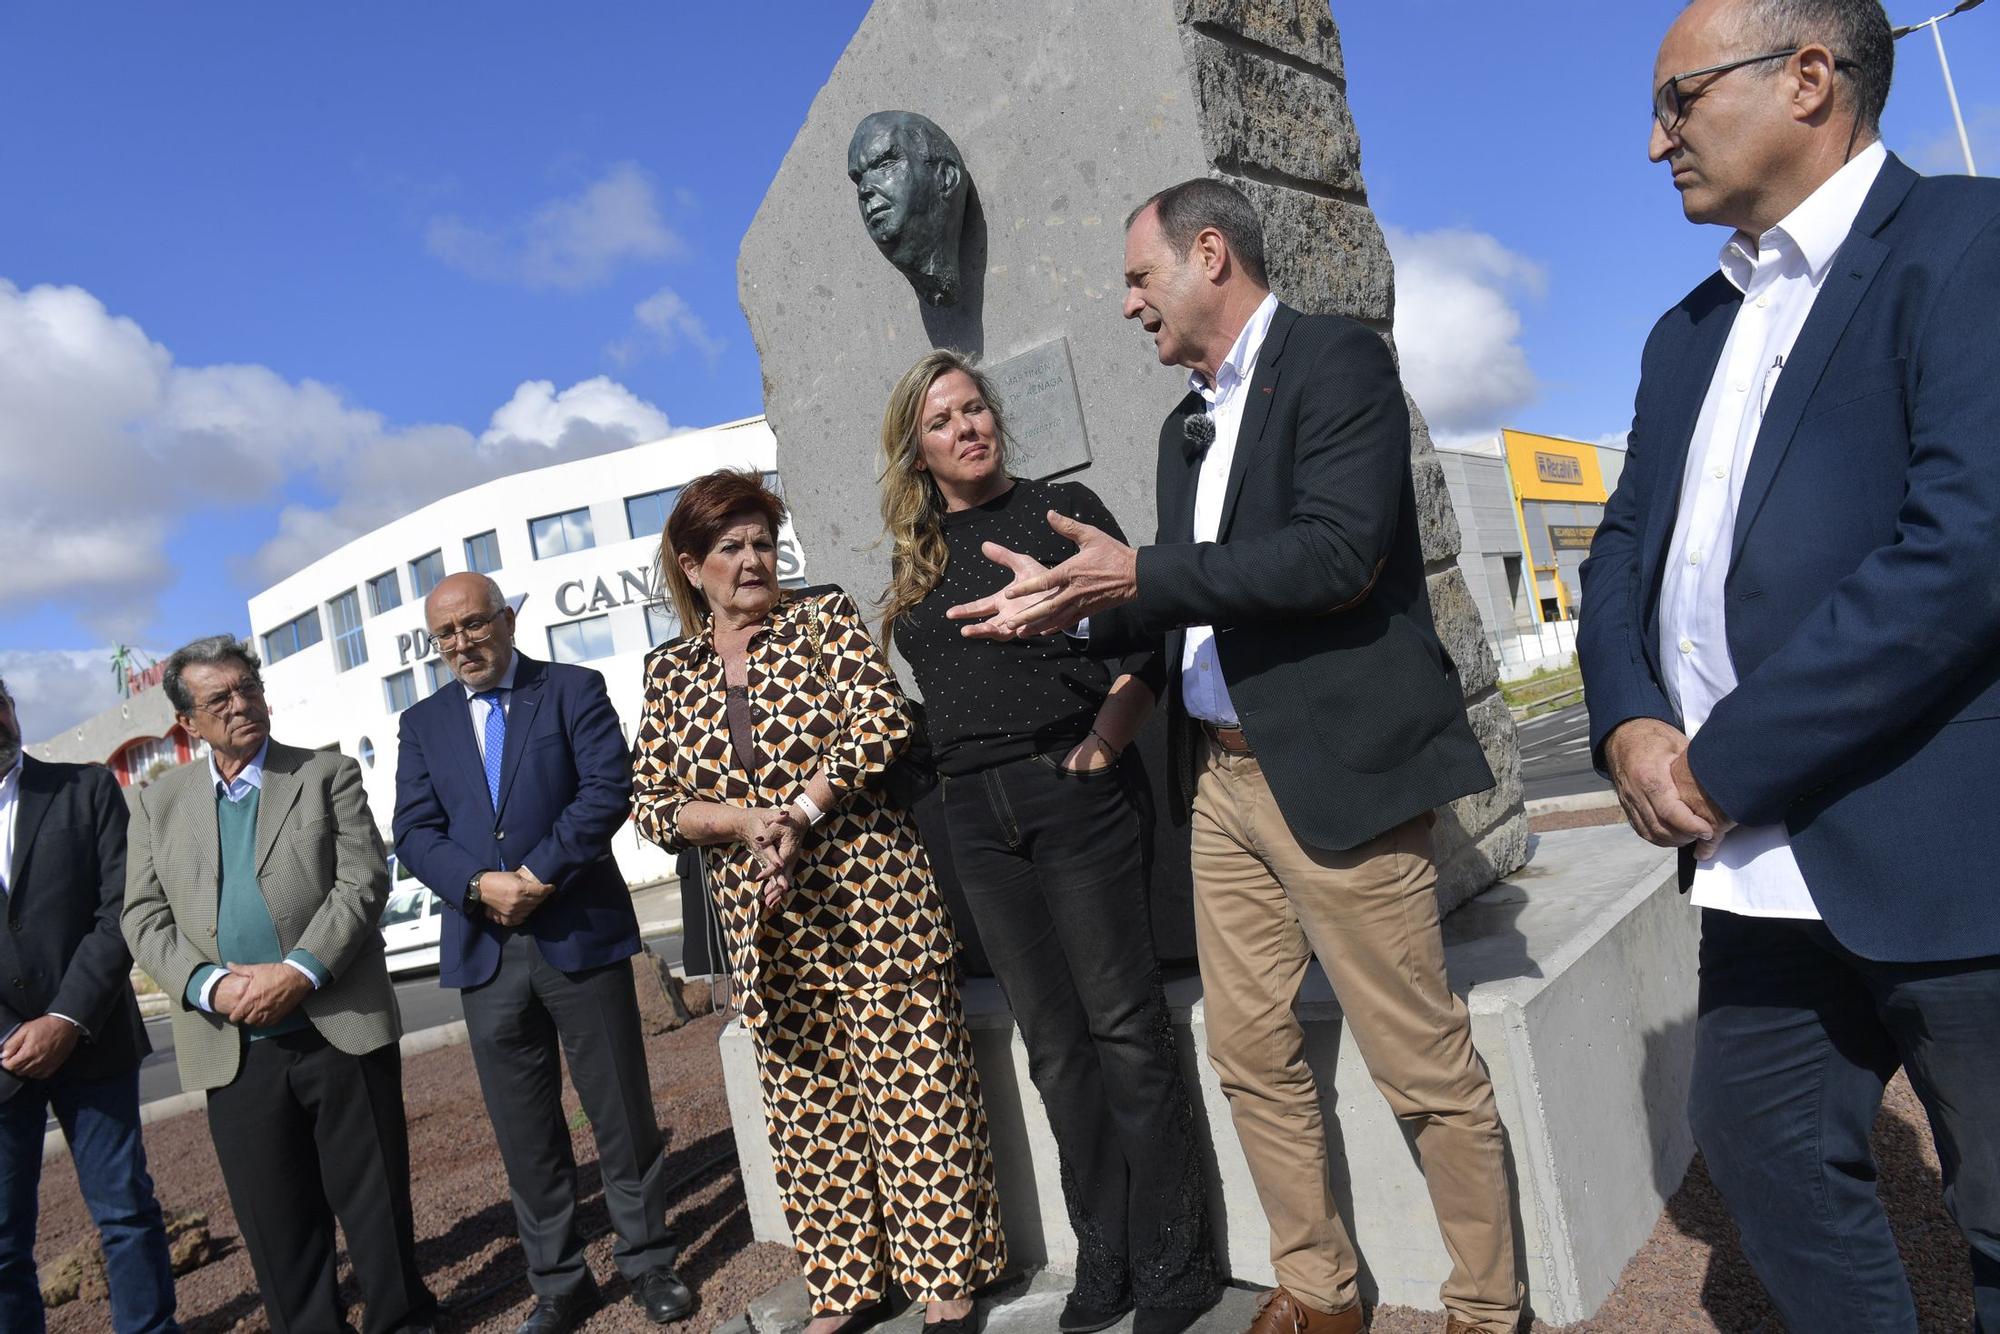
1283	1313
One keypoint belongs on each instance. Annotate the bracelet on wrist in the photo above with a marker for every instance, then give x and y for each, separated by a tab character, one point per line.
1106	740
808	808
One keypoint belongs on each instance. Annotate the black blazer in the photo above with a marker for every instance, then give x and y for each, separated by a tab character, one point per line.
62	949
1316	591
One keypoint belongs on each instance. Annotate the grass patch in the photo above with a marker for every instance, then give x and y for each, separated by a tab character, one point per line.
1545	689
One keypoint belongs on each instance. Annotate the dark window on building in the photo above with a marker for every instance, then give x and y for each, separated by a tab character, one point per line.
560	534
646	516
426	573
298	633
662	623
436	675
399	690
350	644
482	552
385	591
581	641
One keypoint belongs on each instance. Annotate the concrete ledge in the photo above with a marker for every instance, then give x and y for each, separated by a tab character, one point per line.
1576	801
1579	972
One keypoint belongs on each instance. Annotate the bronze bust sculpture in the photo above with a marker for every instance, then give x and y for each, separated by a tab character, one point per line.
911	183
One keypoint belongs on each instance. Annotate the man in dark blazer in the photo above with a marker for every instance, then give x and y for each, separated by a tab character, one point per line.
509	787
70	1035
1791	644
254	881
1315	721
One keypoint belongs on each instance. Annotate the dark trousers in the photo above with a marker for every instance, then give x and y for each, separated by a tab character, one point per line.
1795	1039
1049	863
306	1134
100	1119
516	1021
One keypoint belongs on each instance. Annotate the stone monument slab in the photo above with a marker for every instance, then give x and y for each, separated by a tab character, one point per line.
1067	116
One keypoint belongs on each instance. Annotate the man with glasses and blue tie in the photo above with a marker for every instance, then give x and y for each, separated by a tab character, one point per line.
1791	644
509	788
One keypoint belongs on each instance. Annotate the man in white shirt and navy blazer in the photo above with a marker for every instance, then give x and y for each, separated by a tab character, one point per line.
1791	643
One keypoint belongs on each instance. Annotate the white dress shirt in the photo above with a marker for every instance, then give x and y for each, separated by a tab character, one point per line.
1780	274
1202	687
479	706
10	806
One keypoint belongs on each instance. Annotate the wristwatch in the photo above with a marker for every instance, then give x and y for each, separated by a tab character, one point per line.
473	905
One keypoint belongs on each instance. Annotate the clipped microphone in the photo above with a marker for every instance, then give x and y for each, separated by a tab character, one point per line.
1198	433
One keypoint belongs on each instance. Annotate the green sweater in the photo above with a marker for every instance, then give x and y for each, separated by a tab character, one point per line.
244	931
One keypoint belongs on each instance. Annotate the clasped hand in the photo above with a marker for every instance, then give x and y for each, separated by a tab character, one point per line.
38	1048
1103	573
775	834
257	995
510	896
1663	801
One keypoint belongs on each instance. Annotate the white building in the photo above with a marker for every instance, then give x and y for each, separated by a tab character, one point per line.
572	545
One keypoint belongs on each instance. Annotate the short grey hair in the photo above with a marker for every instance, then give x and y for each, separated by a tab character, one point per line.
5	693
1856	31
1187	209
496	601
209	652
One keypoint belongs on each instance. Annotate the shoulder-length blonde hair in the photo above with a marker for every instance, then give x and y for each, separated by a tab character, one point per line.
704	509
912	506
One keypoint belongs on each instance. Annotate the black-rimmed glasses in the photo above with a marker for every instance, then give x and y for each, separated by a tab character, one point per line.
1670	105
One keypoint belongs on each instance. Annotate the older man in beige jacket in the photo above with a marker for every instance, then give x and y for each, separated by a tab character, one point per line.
255	882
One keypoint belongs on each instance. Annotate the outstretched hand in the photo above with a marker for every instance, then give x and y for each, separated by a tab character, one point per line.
1102	574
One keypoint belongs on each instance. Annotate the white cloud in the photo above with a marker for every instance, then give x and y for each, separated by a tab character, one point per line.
665	323
55	689
1458	330
1942	155
568	244
106	444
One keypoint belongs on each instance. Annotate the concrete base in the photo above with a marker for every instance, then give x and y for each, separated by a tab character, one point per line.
1579	972
1025	1304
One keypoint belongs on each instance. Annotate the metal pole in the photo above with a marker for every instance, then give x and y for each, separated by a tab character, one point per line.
1951	91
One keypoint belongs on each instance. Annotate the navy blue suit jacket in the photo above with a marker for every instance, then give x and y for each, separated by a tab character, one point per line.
565	790
1863	593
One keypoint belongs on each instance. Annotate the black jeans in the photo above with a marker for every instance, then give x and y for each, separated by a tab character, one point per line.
1795	1039
1049	862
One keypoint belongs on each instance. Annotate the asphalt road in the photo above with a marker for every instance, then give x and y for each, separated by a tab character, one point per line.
425	1004
1555	755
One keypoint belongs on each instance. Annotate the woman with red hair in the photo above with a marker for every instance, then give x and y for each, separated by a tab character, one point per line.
768	726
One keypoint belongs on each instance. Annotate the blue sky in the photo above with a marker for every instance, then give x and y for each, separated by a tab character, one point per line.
267	272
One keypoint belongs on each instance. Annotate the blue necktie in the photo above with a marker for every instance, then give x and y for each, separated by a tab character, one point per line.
496	742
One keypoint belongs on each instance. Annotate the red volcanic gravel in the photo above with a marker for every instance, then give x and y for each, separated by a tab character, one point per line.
1688	1277
1691	1278
465	1220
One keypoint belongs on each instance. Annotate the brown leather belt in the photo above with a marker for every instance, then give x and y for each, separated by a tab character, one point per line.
1230	739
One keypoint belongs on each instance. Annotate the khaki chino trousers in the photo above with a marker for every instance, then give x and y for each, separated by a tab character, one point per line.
1264	906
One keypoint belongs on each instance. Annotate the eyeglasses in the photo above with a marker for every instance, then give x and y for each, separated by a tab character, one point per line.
471	630
250	691
1670	105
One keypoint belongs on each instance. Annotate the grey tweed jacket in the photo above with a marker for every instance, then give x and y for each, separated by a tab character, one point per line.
321	867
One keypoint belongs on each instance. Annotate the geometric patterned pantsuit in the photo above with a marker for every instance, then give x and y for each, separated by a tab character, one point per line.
880	1142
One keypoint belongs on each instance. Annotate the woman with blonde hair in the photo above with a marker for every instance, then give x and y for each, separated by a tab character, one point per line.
1029	738
766	731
